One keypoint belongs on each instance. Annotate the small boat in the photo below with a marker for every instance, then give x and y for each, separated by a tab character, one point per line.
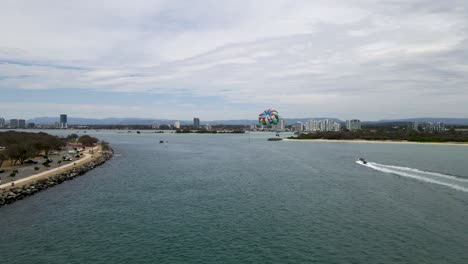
275	139
363	160
161	141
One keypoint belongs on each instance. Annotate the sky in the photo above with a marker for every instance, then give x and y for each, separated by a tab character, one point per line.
231	59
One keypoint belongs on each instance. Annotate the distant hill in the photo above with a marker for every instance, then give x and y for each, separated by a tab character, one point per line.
289	121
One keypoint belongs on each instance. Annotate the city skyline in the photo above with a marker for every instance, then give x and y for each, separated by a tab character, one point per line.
345	59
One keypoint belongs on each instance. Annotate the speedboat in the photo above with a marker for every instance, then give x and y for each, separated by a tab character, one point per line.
363	160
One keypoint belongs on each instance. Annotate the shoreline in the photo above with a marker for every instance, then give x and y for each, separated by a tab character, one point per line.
51	172
35	183
380	142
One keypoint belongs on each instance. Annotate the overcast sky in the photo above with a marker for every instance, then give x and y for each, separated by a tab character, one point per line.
227	59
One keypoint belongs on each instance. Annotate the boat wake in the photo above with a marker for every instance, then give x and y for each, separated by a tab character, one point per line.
453	182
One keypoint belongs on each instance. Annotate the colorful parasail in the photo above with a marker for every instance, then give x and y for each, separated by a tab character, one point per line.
268	117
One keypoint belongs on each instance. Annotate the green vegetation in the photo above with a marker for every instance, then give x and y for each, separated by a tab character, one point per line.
72	137
3	158
414	136
87	140
105	146
21	146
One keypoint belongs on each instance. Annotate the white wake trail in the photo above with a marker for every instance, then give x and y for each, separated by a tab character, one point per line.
450	177
389	169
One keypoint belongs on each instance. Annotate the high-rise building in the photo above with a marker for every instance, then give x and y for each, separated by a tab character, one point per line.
14	123
413	126
298	127
155	126
429	127
322	125
21	123
31	125
439	127
63	121
2	122
336	127
353	124
177	124
196	123
281	124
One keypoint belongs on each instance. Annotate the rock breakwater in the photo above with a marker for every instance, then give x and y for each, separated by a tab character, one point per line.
11	195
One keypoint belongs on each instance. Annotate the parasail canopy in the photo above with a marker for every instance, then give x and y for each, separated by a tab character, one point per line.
268	117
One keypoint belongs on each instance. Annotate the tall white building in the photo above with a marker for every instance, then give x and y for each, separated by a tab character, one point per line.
281	124
322	125
177	124
353	124
439	127
314	125
298	127
2	122
155	126
413	126
336	127
429	127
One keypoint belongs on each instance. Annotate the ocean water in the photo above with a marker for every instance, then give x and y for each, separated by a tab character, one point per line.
241	199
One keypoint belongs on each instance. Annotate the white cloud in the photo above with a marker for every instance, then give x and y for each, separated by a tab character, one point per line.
308	57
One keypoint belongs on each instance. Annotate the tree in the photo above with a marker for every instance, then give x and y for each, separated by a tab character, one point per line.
88	140
72	137
20	152
3	157
36	168
105	146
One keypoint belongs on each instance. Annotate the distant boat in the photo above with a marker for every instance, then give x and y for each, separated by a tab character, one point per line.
363	160
161	141
275	139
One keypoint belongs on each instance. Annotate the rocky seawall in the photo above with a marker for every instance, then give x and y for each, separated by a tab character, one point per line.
12	195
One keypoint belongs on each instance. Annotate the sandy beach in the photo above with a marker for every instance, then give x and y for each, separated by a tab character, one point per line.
380	142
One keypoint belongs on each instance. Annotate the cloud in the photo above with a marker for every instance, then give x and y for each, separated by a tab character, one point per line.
364	59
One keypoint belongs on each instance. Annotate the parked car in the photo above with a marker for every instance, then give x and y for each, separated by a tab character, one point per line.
54	153
30	161
2	171
71	151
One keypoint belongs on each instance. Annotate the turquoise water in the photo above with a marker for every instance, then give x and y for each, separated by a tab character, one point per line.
241	199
